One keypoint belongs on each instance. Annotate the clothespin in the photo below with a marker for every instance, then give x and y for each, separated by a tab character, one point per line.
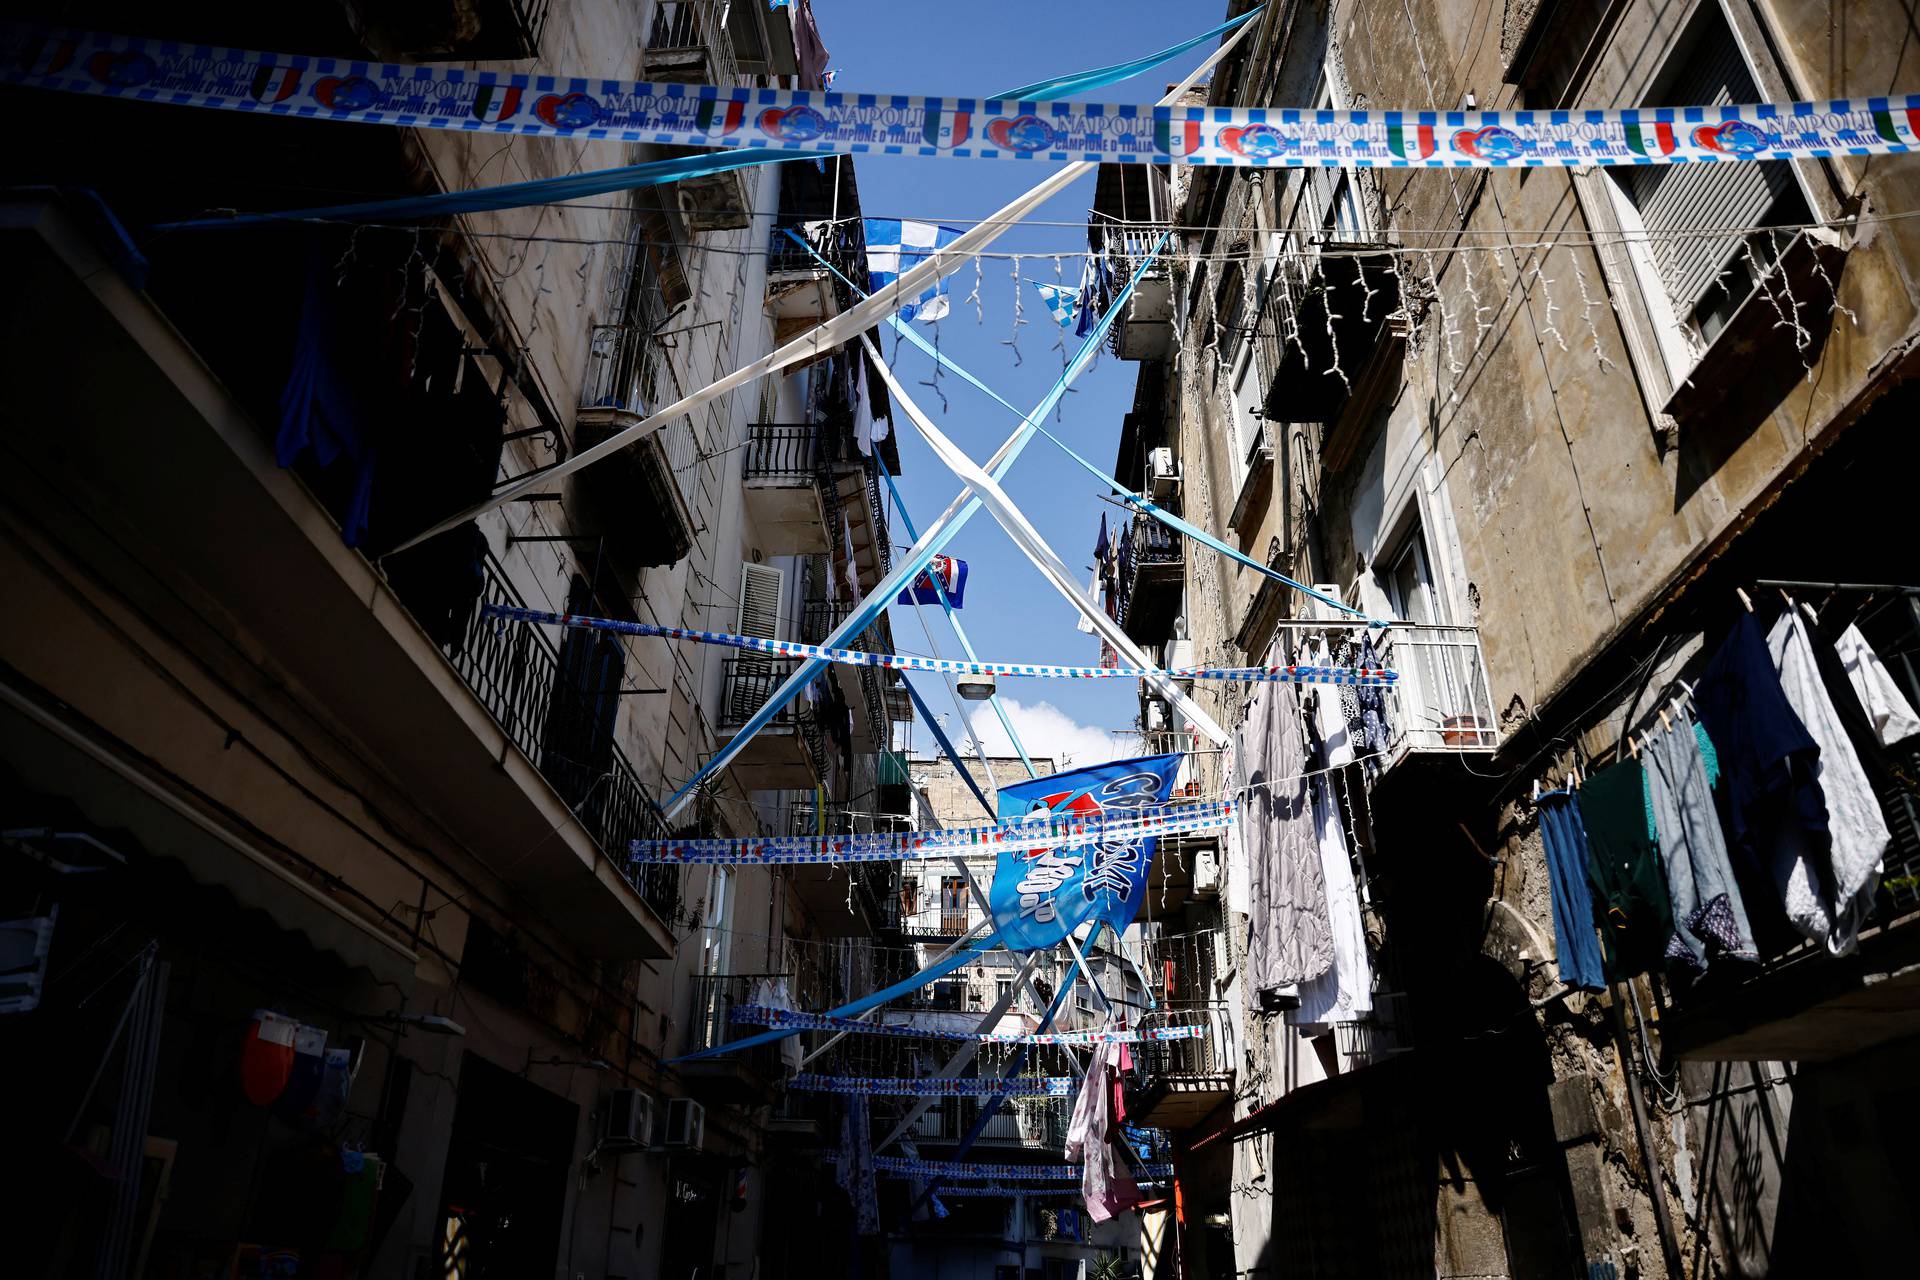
1536	791
1665	723
1745	599
1633	748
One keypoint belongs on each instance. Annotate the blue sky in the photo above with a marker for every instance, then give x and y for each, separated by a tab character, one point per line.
912	46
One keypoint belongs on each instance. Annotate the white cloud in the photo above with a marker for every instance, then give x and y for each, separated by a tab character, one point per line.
1048	731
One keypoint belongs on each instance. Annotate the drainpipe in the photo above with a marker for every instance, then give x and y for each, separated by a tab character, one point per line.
1649	1155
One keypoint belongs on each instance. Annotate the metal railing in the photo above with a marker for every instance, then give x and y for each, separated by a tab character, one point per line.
627	370
1022	1122
783	454
818	618
1387	1031
746	685
1208	1053
692	27
515	672
842	244
1441	701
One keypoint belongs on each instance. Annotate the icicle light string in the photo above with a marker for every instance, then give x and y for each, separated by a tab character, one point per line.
1544	238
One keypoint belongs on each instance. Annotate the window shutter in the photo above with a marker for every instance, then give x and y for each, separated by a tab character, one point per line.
761	589
1692	197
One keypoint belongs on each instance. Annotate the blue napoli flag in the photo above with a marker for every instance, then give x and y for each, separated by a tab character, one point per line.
946	572
894	246
1039	896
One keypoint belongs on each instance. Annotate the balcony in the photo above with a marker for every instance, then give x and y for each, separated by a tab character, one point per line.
789	754
457	30
180	449
1178	1083
743	1078
1154	581
1145	332
782	478
1441	703
643	497
801	291
688	43
1037	1124
1323	311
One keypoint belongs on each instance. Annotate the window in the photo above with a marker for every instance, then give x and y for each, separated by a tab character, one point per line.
761	588
1333	196
1694	282
1005	993
1407	577
953	904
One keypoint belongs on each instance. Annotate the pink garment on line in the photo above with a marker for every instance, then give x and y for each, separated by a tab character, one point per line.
1106	1186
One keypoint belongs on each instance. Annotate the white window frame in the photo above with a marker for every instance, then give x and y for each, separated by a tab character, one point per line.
1663	347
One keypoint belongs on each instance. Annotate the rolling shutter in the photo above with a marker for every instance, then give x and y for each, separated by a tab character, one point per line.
761	587
1691	197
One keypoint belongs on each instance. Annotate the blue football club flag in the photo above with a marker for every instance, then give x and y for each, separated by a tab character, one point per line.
946	572
895	246
1039	896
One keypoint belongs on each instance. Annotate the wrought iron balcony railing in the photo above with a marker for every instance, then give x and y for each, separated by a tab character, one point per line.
692	32
783	454
515	671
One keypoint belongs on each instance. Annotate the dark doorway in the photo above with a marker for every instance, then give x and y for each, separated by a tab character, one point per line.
506	1184
693	1220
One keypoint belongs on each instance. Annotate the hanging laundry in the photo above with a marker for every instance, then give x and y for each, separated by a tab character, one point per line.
266	1056
319	410
1858	830
1576	945
1239	870
1368	710
1709	916
1344	993
1630	889
854	1169
295	1103
1106	1186
1331	725
852	567
1292	936
1776	814
1887	709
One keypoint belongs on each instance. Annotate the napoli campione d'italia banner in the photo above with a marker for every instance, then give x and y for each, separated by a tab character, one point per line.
541	103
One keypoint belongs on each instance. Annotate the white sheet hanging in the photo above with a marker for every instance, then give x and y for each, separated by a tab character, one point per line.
1892	715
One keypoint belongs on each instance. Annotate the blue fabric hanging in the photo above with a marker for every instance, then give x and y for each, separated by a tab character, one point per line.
317	412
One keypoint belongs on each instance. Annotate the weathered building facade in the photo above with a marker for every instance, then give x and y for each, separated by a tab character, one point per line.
279	804
1548	421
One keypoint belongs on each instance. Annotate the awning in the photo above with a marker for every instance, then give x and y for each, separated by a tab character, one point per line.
58	761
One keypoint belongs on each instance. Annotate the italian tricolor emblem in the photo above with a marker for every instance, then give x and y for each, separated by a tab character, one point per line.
494	103
947	129
1176	139
1657	140
1885	124
729	116
1411	141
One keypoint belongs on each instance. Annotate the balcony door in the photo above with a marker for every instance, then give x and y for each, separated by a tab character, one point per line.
577	753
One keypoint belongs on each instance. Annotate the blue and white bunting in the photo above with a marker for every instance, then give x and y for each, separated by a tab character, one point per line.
895	245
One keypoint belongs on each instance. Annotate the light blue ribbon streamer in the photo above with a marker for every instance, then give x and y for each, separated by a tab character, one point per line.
1101	77
993	700
579	186
905	987
869	610
1144	505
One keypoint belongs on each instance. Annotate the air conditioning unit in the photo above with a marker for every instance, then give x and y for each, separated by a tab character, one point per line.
1163	474
1156	716
1179	655
686	1125
629	1121
1206	874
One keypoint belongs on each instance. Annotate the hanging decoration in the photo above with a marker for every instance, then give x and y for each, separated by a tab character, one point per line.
542	103
1287	673
1043	893
944	574
759	1015
895	245
936	1086
1075	829
1062	301
907	1167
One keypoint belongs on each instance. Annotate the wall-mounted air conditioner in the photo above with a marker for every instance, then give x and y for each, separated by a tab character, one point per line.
686	1125
1206	874
629	1121
1163	474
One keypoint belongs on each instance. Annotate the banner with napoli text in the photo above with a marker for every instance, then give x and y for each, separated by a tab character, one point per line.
537	103
1039	896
